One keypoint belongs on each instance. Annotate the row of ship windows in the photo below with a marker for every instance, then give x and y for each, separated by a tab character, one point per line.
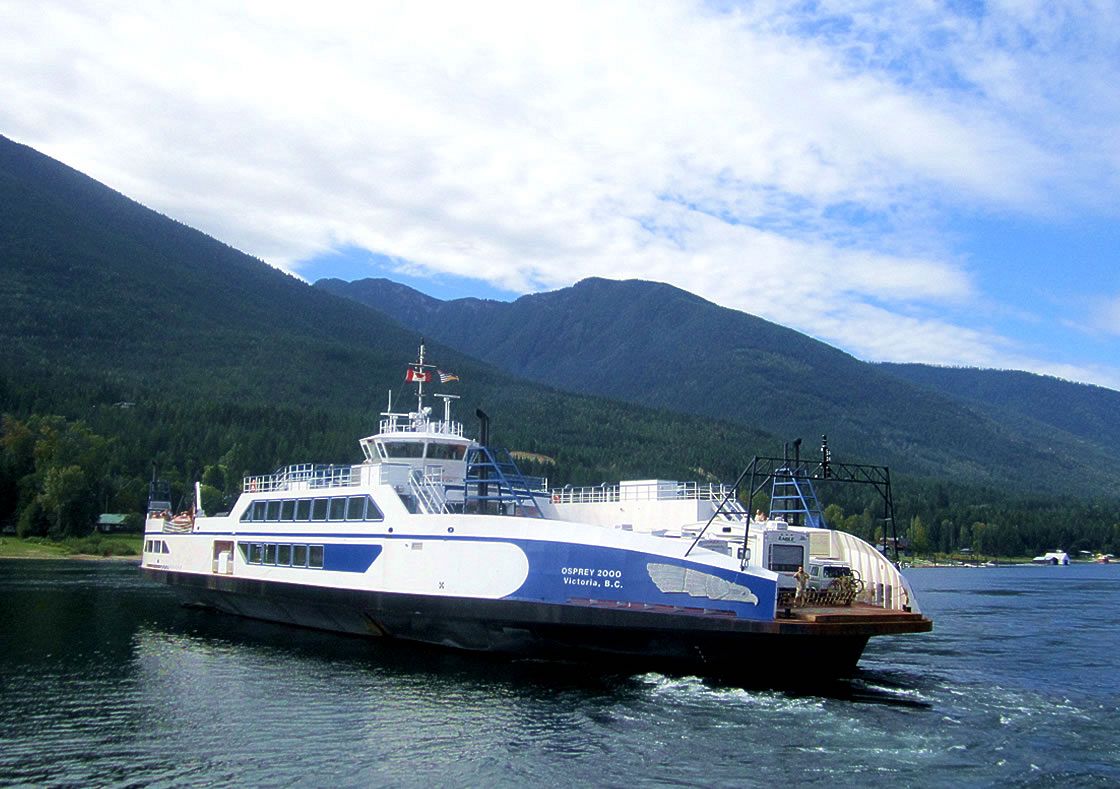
339	508
156	546
282	555
415	449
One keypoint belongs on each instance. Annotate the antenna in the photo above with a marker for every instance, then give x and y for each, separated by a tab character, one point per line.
418	372
420	379
447	398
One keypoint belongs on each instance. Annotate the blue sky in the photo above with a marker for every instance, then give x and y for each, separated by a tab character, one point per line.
351	263
922	181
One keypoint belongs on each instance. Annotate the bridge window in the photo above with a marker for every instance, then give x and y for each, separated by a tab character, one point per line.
287	510
338	510
446	451
319	509
404	449
273	512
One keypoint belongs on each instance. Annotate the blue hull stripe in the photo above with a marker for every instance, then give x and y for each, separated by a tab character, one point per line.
562	573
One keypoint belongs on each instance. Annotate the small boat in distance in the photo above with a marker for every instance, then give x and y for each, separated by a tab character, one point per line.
437	537
1052	557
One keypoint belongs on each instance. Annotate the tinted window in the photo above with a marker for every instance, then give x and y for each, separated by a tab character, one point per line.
786	558
319	510
338	509
356	508
299	556
270	554
258	510
287	510
372	512
404	449
284	555
446	451
273	511
315	556
303	510
244	551
256	553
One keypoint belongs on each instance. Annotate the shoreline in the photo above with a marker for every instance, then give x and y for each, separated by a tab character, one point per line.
92	548
85	557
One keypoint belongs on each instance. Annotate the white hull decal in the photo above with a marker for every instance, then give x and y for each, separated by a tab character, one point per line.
671	578
464	568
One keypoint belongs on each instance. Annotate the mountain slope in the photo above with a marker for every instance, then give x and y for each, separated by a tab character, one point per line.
658	345
105	301
96	280
1090	413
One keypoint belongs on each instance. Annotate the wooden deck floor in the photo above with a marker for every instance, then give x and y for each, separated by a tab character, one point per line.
857	617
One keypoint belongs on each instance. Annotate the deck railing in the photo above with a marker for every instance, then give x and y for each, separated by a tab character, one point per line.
404	423
652	491
428	489
304	476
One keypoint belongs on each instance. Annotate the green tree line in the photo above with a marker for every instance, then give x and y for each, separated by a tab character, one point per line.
57	474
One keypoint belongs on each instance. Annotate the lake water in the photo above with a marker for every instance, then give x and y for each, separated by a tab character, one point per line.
105	680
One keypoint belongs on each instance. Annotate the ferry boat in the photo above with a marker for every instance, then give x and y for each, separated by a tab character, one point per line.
436	537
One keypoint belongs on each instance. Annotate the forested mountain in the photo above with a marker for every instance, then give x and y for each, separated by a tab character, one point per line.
1090	413
129	340
658	345
153	342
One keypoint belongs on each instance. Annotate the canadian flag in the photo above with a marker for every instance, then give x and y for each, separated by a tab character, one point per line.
417	376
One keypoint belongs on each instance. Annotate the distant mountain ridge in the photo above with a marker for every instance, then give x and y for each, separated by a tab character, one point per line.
1091	413
658	345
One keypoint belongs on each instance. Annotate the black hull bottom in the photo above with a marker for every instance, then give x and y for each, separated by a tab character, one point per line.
708	645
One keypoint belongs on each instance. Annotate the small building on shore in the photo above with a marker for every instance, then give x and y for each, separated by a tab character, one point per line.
109	522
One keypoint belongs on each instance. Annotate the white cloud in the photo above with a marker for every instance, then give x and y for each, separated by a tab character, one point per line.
1105	315
760	158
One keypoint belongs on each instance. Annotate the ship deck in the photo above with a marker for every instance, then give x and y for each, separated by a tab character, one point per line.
856	618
